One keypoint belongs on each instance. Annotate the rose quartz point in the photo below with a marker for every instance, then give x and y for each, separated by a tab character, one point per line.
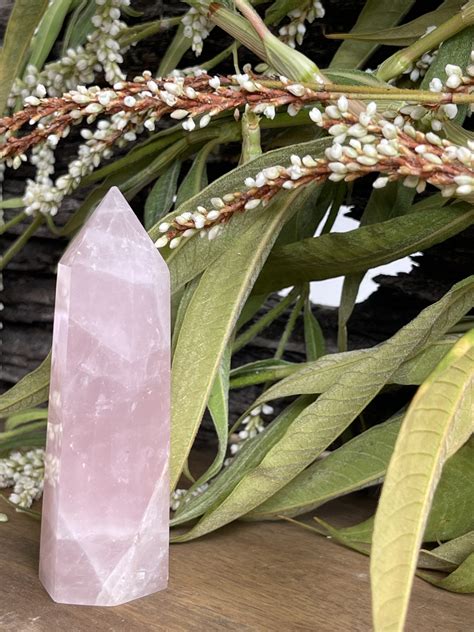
105	520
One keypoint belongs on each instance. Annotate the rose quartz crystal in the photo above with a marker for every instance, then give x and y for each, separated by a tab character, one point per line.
104	532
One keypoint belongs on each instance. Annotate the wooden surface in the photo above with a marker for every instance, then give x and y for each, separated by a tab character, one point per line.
246	577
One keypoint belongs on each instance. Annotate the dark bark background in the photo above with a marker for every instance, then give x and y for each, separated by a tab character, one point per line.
29	280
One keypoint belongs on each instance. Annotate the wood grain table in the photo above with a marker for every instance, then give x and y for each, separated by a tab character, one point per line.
246	577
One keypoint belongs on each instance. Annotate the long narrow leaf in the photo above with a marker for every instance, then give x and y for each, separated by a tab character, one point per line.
322	422
358	250
220	295
30	391
197	254
24	19
353	54
357	464
317	377
438	422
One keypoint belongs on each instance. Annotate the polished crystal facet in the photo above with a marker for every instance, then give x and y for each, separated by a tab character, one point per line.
104	534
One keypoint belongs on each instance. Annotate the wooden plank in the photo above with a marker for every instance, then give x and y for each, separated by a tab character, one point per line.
246	577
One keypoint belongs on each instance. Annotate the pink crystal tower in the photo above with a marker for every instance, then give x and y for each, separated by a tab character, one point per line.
104	532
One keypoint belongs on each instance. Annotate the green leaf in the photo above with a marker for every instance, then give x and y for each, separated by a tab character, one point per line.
250	309
290	325
174	52
322	422
197	254
139	153
160	199
12	203
251	453
456	50
448	555
217	302
317	377
358	463
265	321
280	9
405	34
79	26
452	509
354	54
24	18
196	178
260	372
135	182
186	297
332	255
133	34
48	31
439	421
313	335
392	201
25	435
461	580
25	417
218	405
33	389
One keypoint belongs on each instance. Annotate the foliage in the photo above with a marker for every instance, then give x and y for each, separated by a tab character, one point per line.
306	135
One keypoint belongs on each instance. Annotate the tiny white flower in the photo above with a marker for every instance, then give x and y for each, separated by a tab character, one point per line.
297	89
436	85
343	104
379	183
213	232
269	111
464	189
179	114
174	243
189	124
213	215
453	81
31	100
333	112
450	110
251	204
316	116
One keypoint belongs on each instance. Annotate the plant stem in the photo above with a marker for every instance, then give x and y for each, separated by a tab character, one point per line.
12	222
332	91
290	325
134	34
252	16
251	147
21	241
261	377
396	64
253	33
264	322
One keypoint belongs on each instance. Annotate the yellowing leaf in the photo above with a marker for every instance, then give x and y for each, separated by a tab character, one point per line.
438	423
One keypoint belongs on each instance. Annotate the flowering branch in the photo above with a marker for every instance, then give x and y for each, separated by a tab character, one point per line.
361	146
129	107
